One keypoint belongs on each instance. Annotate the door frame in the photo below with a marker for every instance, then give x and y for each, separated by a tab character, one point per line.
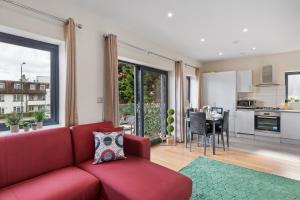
139	93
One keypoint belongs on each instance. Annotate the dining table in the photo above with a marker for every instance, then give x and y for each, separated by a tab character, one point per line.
211	119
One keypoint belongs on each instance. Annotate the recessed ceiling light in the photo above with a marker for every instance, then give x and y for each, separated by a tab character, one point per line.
220	54
202	40
253	48
245	30
170	14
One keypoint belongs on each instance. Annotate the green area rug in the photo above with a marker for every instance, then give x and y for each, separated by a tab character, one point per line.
214	180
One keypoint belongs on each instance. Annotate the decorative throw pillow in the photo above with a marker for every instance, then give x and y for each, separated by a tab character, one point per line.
108	146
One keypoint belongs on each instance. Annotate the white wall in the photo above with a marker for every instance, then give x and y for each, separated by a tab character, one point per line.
89	47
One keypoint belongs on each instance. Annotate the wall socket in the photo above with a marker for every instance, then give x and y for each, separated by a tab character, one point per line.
100	100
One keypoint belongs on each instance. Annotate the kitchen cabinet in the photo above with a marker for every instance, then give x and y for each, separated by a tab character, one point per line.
244	121
244	81
219	90
290	125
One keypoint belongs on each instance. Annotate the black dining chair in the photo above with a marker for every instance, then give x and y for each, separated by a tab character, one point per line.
224	127
188	111
198	127
219	110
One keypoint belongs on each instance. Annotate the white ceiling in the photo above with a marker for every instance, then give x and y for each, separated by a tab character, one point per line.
274	25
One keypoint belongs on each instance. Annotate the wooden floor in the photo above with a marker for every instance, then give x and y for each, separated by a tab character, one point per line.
275	158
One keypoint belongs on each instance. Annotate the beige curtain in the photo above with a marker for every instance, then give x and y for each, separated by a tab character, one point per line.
179	91
200	87
111	90
71	116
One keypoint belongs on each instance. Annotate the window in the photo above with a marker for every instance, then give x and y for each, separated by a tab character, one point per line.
143	99
30	108
32	86
292	83
42	87
18	86
17	98
188	89
2	85
40	75
31	97
1	98
41	108
18	109
1	110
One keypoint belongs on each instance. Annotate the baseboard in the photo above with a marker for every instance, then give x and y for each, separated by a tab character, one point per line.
267	139
289	141
246	136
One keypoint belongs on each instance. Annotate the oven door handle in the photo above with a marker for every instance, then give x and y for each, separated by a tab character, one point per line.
266	117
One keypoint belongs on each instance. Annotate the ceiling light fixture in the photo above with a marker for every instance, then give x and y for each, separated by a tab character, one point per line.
253	48
220	54
170	15
202	40
245	30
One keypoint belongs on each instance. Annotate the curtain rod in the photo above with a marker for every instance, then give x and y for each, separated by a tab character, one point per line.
152	53
39	12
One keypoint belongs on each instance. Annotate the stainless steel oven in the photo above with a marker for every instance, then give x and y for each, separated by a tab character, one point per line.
267	121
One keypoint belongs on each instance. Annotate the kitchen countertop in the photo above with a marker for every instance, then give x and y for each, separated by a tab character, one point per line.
262	110
291	111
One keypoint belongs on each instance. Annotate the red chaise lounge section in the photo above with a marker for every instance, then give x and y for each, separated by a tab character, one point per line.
39	166
134	178
56	164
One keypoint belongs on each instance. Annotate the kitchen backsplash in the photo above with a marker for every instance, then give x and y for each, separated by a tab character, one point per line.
272	96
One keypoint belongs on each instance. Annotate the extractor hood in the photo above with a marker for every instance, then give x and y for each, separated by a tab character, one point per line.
267	77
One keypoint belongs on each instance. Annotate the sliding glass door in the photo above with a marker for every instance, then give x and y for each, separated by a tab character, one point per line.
143	99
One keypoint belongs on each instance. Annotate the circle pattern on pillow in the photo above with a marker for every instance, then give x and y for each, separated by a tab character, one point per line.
107	155
108	146
119	140
97	142
107	140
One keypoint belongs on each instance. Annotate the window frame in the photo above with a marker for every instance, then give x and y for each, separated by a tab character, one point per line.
54	71
16	86
42	87
2	83
32	86
139	94
188	82
287	74
2	99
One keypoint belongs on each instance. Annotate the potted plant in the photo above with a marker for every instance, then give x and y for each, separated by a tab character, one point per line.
13	121
39	118
34	126
170	127
26	125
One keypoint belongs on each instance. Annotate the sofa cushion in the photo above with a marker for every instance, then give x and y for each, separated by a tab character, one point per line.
26	155
69	183
83	140
136	178
108	146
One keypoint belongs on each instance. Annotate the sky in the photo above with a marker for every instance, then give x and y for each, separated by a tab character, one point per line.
11	57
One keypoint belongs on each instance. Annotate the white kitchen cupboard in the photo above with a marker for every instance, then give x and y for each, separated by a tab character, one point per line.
290	125
244	122
244	81
219	89
209	95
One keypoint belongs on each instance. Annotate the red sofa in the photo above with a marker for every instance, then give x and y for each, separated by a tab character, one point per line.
56	164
